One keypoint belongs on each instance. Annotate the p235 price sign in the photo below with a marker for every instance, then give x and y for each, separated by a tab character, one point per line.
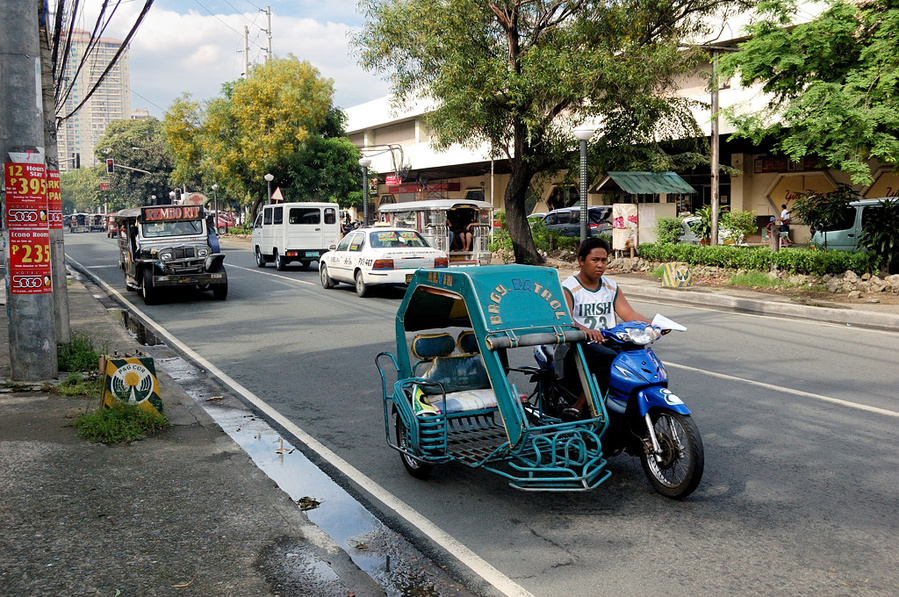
27	219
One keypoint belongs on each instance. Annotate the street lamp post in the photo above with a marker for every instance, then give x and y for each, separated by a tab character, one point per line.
171	196
268	180
152	199
215	208
365	163
583	135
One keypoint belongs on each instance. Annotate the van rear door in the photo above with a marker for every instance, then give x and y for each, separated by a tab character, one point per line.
311	229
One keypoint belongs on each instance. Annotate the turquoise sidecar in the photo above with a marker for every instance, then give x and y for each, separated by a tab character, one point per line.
452	399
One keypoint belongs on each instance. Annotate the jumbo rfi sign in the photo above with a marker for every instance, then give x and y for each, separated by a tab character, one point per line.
171	212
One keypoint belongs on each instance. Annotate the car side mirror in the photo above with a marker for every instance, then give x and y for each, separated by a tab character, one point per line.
332	247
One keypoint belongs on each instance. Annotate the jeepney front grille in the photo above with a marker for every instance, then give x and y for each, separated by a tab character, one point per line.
184	252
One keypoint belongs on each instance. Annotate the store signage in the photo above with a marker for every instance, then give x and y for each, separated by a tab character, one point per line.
54	200
28	223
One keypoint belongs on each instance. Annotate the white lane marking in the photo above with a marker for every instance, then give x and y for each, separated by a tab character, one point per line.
259	270
101	266
768	386
473	561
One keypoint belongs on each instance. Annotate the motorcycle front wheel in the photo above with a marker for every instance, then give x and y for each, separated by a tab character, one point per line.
677	470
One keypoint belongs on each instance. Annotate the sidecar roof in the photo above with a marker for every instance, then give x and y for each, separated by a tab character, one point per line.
490	299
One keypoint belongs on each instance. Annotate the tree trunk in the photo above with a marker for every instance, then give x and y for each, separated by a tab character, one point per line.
516	219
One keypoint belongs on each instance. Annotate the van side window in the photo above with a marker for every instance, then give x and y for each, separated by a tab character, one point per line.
267	217
845	219
330	216
258	223
305	215
871	213
278	217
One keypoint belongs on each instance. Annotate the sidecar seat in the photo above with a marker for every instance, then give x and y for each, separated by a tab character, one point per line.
463	376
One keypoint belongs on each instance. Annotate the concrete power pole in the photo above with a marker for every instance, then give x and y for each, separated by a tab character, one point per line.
29	301
57	246
246	52
268	13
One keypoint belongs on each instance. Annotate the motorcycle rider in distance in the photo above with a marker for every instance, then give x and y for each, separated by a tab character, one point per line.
595	304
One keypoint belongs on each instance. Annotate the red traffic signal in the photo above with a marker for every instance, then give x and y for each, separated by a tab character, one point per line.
110	166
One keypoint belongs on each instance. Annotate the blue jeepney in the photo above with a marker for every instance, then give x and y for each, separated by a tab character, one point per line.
449	391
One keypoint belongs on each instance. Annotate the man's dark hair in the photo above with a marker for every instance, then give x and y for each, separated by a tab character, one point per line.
590	244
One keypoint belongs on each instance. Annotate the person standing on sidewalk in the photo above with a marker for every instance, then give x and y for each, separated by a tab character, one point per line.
785	224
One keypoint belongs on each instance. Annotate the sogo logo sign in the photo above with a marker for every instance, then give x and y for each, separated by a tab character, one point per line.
24	216
30	282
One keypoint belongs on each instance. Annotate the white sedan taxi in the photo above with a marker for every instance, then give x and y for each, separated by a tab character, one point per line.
378	256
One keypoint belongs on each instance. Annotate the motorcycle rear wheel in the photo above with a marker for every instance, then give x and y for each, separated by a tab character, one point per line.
682	459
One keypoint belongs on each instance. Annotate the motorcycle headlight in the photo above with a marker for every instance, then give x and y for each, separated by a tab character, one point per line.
203	251
647	335
164	255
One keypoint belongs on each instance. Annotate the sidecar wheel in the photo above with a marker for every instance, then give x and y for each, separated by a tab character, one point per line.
682	459
416	468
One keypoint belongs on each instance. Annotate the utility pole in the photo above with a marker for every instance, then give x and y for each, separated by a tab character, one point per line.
54	198
268	13
29	301
246	52
715	149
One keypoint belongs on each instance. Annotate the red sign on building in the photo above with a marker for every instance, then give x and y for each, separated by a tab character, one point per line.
28	222
54	200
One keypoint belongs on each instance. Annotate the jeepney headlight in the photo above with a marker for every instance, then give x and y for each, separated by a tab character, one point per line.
203	251
165	255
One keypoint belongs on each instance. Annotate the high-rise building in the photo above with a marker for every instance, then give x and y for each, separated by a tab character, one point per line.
111	101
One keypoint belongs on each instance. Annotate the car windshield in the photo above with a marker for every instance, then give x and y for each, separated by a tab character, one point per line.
383	239
180	228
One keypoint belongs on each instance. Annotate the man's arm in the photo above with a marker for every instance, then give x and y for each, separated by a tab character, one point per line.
624	310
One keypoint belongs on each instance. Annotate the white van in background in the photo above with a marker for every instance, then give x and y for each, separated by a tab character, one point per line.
285	232
846	232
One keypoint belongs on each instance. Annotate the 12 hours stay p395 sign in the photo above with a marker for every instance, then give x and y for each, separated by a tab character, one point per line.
28	225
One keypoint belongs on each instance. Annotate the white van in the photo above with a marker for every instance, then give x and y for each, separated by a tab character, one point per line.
285	232
846	232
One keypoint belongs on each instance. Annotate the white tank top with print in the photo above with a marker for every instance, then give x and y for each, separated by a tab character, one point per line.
593	309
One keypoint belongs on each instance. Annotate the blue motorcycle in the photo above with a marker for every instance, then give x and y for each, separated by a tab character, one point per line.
645	418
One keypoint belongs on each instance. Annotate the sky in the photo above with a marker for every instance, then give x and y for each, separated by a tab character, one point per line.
194	46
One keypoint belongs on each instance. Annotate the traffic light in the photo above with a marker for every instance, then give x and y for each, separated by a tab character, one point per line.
77	161
110	166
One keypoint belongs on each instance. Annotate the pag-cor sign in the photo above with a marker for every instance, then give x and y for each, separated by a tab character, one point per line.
171	212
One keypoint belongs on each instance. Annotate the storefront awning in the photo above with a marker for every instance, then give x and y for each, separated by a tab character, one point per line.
644	183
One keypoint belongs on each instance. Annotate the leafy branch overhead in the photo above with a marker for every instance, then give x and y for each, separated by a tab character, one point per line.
515	77
832	83
279	120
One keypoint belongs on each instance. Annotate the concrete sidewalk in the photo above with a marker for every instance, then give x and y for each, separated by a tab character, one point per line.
185	512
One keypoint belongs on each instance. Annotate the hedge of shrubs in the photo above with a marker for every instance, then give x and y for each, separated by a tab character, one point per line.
800	261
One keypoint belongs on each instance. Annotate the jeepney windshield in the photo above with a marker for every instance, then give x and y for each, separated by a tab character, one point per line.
173	228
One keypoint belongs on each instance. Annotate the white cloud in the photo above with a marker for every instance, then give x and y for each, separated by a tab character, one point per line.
177	52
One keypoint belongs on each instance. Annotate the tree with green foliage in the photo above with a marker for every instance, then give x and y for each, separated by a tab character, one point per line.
518	76
880	235
743	223
833	83
279	120
820	211
668	230
80	190
142	162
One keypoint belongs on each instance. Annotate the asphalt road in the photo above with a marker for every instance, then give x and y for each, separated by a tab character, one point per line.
799	419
